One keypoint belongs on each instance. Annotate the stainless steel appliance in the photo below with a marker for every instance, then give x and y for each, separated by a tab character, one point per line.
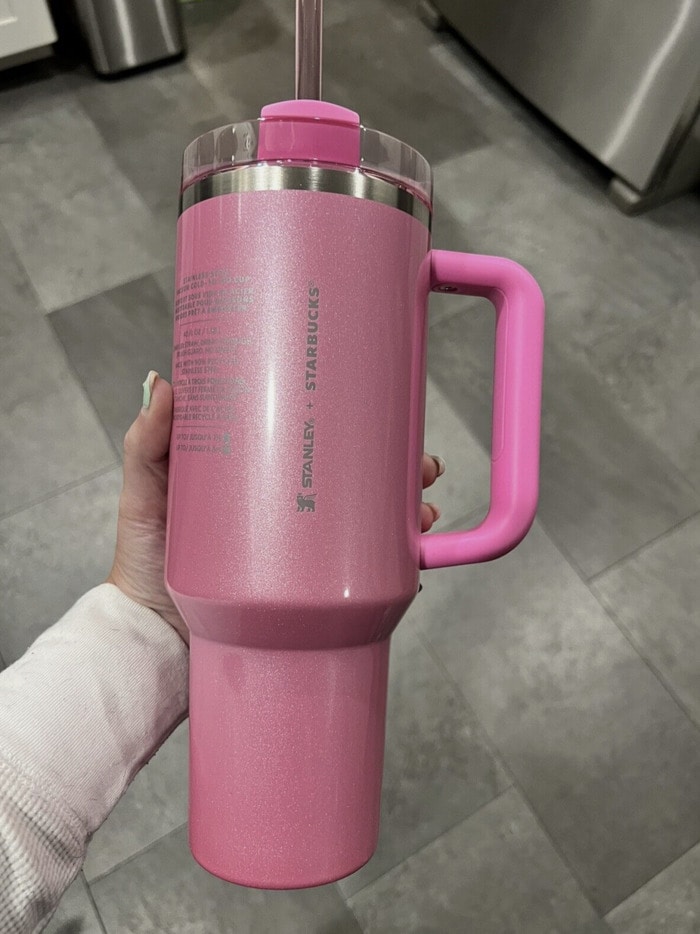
621	77
126	34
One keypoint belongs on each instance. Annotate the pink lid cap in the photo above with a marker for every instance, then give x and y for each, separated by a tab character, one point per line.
286	755
313	131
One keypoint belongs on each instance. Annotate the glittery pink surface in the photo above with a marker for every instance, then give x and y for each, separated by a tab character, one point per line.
286	761
259	569
290	607
294	541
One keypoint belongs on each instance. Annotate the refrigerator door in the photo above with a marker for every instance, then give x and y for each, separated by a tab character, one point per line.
621	77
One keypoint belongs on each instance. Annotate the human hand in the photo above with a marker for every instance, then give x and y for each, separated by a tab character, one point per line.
139	560
433	467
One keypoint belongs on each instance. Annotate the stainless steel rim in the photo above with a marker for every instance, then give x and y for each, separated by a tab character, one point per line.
265	177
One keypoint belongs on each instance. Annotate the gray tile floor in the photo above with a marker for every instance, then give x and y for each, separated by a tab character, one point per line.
543	757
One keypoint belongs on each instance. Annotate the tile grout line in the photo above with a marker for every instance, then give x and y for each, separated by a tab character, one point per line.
563	550
655	317
624	631
589	584
91	899
66	488
626	636
160	288
40	307
425	846
435	319
586	579
46	313
350	908
638	551
514	782
487	742
83	388
133	856
655	876
670	465
680	475
490	744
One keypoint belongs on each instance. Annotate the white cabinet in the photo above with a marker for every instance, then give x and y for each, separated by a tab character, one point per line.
26	31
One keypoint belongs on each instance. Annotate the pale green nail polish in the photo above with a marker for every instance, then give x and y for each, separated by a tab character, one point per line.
148	385
440	464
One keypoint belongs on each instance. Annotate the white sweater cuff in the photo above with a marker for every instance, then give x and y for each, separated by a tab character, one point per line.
92	700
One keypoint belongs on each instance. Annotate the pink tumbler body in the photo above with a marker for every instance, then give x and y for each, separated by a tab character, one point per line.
294	545
297	409
294	530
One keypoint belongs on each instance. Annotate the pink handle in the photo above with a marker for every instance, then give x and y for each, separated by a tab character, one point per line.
517	394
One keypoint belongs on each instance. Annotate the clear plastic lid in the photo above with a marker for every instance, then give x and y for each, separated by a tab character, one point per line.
308	140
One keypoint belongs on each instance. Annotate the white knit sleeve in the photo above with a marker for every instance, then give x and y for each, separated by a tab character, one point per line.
87	705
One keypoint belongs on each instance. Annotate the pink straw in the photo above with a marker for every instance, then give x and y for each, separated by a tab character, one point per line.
308	49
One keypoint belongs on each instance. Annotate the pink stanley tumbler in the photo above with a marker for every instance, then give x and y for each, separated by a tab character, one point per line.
294	547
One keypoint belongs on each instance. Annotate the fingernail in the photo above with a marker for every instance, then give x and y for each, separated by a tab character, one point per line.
435	510
440	464
148	385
